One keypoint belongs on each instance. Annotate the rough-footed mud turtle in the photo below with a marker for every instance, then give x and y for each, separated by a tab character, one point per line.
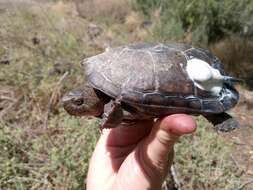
144	81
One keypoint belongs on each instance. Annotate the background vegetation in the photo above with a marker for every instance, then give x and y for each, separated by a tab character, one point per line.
207	21
41	44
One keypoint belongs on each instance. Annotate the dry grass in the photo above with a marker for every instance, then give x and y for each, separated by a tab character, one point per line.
116	9
39	140
205	162
41	47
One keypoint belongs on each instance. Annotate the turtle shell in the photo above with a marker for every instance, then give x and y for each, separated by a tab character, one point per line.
153	79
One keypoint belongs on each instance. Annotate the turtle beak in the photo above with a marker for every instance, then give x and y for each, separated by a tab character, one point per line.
72	95
66	98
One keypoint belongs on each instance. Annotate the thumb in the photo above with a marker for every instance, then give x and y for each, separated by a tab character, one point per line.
159	144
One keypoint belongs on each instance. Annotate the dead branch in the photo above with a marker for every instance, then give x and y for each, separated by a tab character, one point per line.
173	183
235	162
245	184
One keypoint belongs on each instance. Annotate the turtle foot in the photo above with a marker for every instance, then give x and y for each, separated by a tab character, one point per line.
113	114
223	122
228	125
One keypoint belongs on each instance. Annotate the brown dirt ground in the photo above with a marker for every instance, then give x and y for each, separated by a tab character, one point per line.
242	138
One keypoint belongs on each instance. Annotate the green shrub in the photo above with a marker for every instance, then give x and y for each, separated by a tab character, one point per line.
206	21
146	6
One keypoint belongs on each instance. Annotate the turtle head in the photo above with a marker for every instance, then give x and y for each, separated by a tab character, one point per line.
81	102
73	102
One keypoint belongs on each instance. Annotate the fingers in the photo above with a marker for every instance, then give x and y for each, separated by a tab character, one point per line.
162	138
177	124
127	133
112	149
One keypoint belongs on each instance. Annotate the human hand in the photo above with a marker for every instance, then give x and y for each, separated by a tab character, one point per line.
137	156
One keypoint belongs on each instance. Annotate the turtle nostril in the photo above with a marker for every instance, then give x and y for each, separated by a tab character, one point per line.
79	102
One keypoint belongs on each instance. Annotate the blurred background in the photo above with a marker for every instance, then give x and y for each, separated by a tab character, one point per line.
41	45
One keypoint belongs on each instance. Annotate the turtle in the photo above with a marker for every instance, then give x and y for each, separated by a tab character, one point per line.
142	81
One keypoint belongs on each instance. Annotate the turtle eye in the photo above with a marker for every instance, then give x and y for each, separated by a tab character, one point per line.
78	102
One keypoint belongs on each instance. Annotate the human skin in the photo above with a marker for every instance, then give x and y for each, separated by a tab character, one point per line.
137	156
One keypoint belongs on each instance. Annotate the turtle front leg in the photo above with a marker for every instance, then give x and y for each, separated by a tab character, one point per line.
113	114
84	101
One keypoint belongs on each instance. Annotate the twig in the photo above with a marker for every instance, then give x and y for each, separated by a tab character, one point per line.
63	77
175	176
245	184
173	183
235	162
7	98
